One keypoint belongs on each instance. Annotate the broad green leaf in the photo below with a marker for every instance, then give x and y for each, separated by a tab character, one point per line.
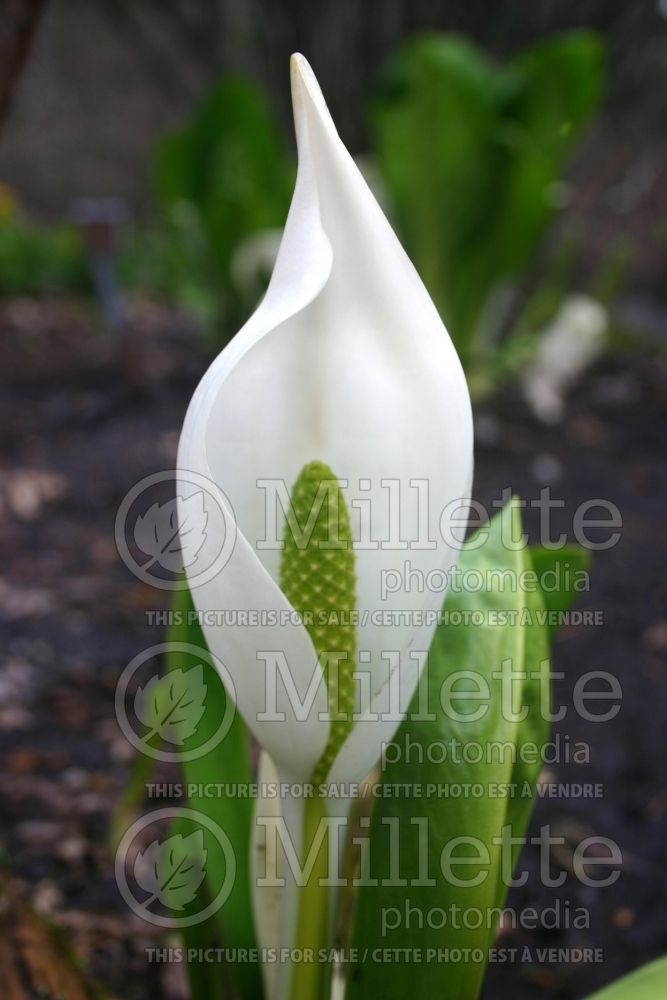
227	764
469	152
231	164
647	983
500	783
563	574
223	178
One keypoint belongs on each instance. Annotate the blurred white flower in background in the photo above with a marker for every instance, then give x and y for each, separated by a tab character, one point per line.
572	342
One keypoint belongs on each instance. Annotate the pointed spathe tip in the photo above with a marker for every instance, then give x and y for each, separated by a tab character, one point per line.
299	70
297	60
305	85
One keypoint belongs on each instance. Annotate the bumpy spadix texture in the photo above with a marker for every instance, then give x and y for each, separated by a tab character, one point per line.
317	577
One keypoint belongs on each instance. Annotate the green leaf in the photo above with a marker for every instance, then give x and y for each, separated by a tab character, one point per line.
506	755
225	177
647	983
469	152
231	164
563	574
227	764
172	706
172	870
207	980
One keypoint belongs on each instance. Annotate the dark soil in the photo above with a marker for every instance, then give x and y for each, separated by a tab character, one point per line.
76	434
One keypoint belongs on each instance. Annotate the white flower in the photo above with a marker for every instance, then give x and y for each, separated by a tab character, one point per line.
347	362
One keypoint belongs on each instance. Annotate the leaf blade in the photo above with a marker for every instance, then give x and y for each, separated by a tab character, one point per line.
455	650
228	763
171	706
647	983
568	567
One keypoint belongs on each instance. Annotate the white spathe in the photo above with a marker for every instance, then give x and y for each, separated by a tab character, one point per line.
345	361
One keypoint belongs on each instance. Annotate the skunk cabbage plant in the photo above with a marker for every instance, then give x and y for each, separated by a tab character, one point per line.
341	404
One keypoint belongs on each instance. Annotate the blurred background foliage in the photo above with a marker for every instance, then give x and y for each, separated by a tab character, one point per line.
468	151
40	260
224	177
468	156
471	154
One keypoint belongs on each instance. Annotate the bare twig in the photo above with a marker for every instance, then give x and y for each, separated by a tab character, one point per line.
17	29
